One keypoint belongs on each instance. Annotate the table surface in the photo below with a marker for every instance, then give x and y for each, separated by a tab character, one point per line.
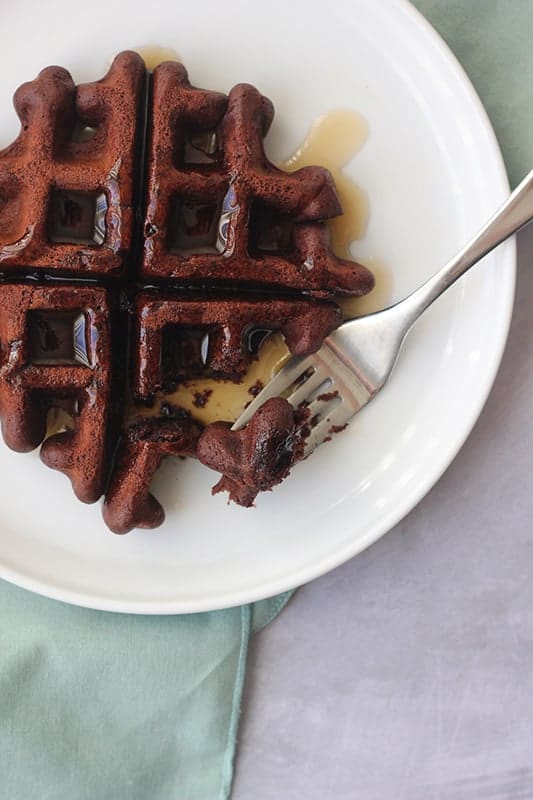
407	672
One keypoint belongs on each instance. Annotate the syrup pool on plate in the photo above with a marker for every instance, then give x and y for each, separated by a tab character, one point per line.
333	141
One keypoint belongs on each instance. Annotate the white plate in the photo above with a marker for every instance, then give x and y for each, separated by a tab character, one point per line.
433	172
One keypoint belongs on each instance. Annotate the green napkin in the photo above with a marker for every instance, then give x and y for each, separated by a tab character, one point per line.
97	706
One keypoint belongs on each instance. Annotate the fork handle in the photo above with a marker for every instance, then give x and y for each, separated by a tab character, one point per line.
516	212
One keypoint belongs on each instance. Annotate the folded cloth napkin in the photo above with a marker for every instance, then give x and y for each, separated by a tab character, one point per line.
97	706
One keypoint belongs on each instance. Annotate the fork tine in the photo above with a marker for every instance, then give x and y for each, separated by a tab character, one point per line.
275	387
339	416
323	407
305	391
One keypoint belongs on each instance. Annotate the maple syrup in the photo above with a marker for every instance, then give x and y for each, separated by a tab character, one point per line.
153	55
226	400
334	139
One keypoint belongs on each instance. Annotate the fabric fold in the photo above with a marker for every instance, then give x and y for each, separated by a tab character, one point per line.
110	706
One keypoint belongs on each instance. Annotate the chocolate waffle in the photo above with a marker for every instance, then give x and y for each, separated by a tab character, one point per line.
67	183
129	267
179	337
56	353
218	211
128	503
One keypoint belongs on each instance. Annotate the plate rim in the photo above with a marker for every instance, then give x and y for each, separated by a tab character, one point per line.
385	524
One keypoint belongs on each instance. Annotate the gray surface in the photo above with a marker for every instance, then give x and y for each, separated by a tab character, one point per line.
407	673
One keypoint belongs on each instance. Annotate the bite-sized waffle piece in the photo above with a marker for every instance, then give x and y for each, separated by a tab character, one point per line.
55	352
68	182
178	337
218	211
144	445
255	458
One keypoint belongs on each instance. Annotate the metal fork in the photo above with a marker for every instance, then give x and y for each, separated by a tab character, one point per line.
356	360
